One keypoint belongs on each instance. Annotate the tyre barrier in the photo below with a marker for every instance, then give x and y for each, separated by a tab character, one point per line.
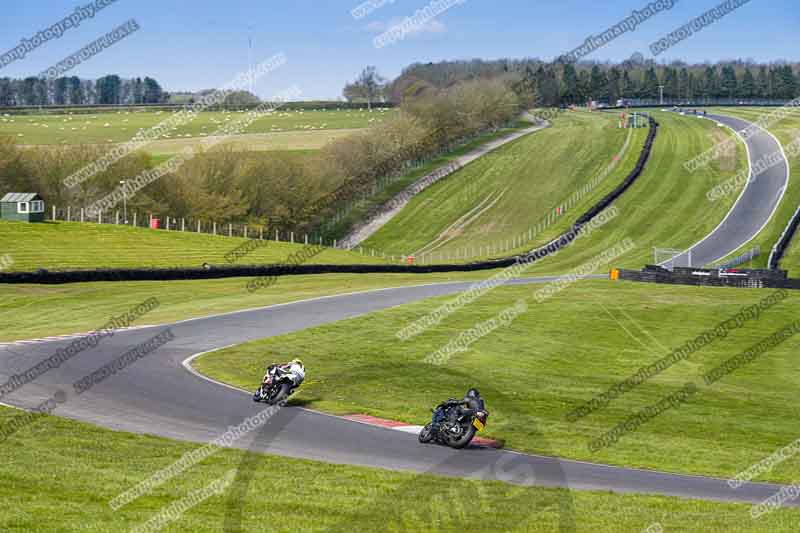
55	277
622	187
703	277
783	243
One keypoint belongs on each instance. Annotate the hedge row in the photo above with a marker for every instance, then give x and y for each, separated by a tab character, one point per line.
217	272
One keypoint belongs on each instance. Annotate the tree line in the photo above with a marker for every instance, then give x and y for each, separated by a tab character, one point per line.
283	191
72	90
554	84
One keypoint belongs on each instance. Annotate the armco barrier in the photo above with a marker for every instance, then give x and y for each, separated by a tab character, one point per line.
750	279
230	271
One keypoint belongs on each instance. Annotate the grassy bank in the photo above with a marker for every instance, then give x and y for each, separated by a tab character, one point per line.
62	474
505	193
356	211
72	245
543	369
666	207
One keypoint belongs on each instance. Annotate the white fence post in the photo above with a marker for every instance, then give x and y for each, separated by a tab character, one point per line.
99	217
183	224
116	218
134	219
82	212
276	236
54	213
291	237
230	229
306	239
198	226
69	213
214	224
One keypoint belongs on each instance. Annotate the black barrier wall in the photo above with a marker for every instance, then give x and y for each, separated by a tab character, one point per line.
750	279
786	239
230	271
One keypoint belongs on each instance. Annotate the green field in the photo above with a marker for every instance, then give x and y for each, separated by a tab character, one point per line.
683	213
787	131
116	127
64	473
72	245
297	140
551	359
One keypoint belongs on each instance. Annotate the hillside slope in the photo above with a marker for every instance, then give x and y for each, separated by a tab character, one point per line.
506	194
72	245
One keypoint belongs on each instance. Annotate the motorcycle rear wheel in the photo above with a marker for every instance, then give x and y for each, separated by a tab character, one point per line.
464	440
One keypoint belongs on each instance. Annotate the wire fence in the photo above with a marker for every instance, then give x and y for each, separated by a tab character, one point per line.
136	219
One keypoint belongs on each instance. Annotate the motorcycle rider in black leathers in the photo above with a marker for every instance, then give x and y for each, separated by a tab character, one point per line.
471	404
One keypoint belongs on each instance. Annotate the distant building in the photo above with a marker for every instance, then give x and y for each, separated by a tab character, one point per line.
22	207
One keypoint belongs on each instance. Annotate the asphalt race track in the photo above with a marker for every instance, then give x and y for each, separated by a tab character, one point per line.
157	395
754	207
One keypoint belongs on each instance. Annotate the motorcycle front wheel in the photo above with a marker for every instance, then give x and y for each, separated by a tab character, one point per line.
259	394
426	435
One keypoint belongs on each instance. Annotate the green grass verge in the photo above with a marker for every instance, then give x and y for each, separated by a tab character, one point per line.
121	126
554	357
72	245
786	131
62	474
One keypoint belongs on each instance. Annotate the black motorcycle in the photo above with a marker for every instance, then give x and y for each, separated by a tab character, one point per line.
275	388
451	427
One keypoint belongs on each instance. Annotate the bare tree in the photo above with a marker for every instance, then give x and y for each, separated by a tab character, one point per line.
368	86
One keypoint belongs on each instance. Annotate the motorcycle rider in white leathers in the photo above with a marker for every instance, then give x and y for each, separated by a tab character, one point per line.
294	370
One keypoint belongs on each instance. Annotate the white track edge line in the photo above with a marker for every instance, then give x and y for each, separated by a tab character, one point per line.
733	207
188	366
750	163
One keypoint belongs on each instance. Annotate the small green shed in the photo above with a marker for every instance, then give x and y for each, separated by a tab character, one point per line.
22	207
